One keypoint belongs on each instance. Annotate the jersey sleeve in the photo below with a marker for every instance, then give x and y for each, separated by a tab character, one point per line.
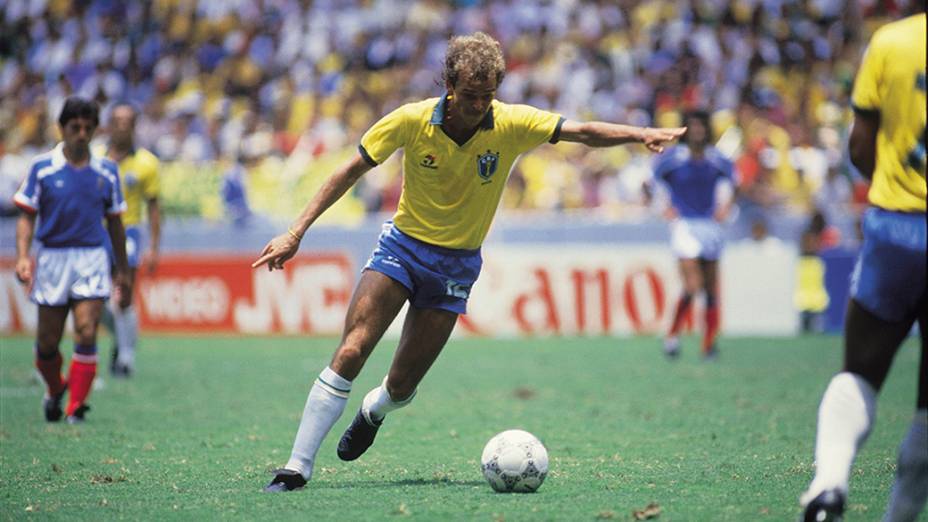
535	126
27	197
866	94
151	183
662	164
115	203
385	137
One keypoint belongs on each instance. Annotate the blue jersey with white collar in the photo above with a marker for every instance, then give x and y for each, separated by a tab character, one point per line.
692	181
71	202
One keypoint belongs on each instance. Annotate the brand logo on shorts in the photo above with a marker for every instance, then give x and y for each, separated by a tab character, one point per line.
455	289
487	164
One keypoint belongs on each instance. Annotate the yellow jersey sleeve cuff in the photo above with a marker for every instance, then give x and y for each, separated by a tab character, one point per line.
367	157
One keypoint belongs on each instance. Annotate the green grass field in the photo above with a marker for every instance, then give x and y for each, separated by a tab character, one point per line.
195	433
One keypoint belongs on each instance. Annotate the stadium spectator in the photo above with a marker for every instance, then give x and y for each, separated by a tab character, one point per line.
69	192
699	183
811	298
888	290
790	62
429	254
138	170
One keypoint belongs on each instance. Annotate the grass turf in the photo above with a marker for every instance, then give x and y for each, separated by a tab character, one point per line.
195	433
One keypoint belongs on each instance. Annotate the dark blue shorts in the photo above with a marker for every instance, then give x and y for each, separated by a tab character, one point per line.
436	277
889	277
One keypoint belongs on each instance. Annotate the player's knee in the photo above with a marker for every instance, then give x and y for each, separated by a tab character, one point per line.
85	332
47	344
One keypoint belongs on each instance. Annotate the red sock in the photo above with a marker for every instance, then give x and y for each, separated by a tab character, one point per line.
80	379
51	372
683	306
712	328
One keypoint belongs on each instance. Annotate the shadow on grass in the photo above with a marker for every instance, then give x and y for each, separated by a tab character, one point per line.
371	484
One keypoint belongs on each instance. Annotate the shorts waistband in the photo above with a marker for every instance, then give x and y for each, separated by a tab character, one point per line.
453	252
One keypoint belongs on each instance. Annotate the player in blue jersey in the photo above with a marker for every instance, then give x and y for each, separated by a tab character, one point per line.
888	286
458	151
698	182
65	199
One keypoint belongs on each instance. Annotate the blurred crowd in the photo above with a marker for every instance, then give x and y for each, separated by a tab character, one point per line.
263	97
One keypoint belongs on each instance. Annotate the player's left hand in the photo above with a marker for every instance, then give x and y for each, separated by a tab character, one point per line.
655	138
277	252
122	291
150	260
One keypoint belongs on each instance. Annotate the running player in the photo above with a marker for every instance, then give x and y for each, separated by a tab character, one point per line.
138	169
888	287
70	192
458	151
699	182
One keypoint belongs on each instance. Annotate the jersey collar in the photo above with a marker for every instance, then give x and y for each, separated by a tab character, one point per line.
438	113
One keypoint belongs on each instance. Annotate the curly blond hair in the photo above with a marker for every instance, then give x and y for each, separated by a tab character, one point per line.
477	57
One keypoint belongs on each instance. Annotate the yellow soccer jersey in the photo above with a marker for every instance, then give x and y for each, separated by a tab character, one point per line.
891	81
139	173
450	191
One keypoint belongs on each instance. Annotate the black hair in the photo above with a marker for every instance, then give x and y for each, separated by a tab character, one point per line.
703	117
77	107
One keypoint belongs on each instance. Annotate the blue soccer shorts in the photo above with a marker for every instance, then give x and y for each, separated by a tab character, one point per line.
889	277
133	247
436	277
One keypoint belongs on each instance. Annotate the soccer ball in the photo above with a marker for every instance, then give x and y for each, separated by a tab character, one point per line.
514	461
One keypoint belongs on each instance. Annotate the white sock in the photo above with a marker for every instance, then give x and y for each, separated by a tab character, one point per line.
845	416
324	406
910	491
378	403
126	325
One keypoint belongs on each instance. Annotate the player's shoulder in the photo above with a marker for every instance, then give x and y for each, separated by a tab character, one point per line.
104	165
146	156
904	32
715	156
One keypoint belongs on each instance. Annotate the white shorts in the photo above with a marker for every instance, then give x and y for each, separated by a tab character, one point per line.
696	239
74	273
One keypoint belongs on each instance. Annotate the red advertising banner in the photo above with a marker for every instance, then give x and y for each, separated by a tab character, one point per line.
221	293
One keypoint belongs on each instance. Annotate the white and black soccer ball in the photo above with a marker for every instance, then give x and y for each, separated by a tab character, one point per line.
514	461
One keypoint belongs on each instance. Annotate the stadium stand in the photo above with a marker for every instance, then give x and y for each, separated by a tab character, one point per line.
283	89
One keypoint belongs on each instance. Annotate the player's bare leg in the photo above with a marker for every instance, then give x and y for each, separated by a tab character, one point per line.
910	489
86	313
425	332
848	406
375	303
709	269
48	359
691	274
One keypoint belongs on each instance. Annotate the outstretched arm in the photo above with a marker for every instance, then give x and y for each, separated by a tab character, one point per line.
280	249
601	134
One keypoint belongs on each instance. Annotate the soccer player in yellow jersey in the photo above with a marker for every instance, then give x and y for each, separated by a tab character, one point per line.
888	286
458	151
138	169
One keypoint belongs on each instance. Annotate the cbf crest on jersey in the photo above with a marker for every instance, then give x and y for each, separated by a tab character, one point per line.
487	164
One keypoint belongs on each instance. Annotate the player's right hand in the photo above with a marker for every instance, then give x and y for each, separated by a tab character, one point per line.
277	252
24	270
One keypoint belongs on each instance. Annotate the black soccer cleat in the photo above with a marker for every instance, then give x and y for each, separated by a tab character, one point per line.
78	416
121	371
285	480
51	404
828	506
357	438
